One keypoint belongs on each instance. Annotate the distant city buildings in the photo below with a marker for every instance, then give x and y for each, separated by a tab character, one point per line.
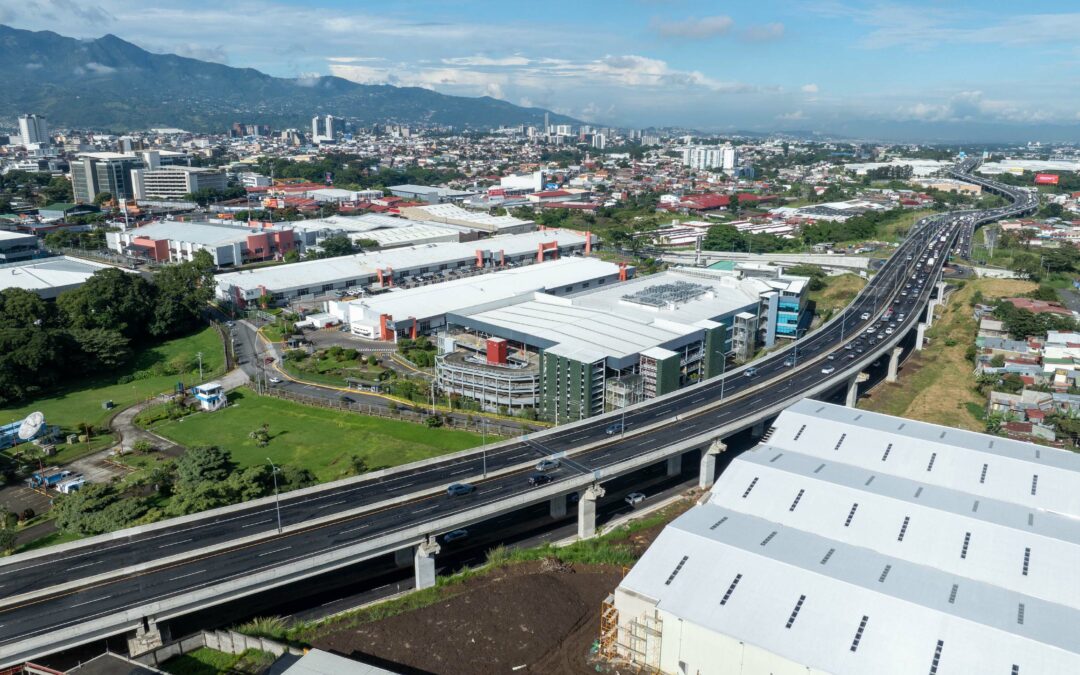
175	182
323	129
33	130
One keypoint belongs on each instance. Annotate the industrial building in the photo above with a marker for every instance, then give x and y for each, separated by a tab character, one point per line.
452	214
428	194
386	231
16	246
174	182
48	277
228	244
380	270
854	542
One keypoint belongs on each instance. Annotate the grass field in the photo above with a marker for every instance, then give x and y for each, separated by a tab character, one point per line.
838	292
81	400
317	439
937	384
205	661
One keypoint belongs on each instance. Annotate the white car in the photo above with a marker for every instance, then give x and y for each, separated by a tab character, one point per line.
635	498
865	316
275	380
888	331
828	370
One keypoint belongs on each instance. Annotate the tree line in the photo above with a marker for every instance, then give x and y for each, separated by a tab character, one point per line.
95	328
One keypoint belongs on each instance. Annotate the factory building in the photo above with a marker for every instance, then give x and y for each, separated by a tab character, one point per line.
178	241
852	542
17	246
384	270
452	214
48	277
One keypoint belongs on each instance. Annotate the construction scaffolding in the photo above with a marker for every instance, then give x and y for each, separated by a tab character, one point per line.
609	629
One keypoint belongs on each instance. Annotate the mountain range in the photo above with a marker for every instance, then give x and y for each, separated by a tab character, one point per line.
110	84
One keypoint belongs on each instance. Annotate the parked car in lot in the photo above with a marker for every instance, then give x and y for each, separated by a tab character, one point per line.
539	479
547	465
454	535
634	498
459	489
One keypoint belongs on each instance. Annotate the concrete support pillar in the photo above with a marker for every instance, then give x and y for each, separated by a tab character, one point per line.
852	392
930	313
894	363
941	286
708	464
424	563
920	336
586	527
758	430
147	637
674	465
558	506
403	557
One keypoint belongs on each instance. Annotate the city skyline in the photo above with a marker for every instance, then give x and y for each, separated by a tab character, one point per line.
893	69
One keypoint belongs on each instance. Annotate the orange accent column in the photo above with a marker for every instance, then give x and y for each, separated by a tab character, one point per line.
479	258
412	333
588	242
390	276
622	271
384	328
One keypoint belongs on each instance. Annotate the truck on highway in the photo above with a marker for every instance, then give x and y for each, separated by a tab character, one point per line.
930	262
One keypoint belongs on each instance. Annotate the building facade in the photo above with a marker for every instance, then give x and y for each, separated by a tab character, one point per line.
174	182
33	130
93	173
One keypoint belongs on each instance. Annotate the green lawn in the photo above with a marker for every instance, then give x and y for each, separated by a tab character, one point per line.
81	400
205	661
317	439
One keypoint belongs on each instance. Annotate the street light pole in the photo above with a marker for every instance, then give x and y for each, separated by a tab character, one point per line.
277	495
484	449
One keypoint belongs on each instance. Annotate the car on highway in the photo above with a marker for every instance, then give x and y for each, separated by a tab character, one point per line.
538	479
865	316
750	372
455	535
634	498
888	331
275	380
828	370
459	489
789	361
545	465
848	347
613	429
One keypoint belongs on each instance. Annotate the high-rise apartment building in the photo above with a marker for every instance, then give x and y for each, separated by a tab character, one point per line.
33	130
95	172
702	158
323	128
730	158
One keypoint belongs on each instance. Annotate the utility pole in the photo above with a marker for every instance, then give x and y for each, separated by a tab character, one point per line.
484	450
277	495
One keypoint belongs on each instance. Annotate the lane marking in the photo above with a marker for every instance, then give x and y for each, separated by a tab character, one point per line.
354	529
454	473
261	522
184	576
426	508
79	567
276	550
176	543
89	602
332	504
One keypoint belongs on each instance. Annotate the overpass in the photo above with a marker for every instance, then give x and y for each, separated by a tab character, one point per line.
131	580
833	261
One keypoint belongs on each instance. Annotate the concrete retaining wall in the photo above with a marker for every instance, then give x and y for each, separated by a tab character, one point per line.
227	641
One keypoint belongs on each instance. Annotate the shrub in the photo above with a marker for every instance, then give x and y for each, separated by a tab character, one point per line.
273	627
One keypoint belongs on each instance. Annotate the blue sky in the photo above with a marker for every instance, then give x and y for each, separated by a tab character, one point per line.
800	64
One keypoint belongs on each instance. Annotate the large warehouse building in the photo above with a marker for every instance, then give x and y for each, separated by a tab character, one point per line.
386	269
854	542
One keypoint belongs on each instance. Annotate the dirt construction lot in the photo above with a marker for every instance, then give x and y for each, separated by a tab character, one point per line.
517	616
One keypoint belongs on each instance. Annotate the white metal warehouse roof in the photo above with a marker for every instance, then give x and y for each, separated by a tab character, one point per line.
890	524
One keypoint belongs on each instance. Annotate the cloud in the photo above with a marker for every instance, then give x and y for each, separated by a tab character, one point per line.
694	29
764	33
791	116
479	60
99	68
354	59
215	54
91	14
972	106
809	88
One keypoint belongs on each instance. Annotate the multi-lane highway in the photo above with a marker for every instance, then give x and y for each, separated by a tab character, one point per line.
133	572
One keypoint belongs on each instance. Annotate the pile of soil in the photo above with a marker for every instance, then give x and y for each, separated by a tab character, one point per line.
528	618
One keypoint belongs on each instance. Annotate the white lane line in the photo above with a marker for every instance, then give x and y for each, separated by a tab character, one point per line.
175	543
426	508
261	522
276	550
184	576
454	473
332	504
79	567
90	602
578	438
491	490
365	525
402	485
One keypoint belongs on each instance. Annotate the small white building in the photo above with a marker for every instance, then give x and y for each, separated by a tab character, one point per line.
211	396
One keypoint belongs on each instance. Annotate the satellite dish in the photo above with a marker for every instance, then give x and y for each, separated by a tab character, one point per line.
31	426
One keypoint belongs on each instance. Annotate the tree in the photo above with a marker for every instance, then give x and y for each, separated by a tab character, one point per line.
261	436
96	508
102	198
203	464
183	292
337	245
110	299
102	348
58	190
1052	210
724	238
